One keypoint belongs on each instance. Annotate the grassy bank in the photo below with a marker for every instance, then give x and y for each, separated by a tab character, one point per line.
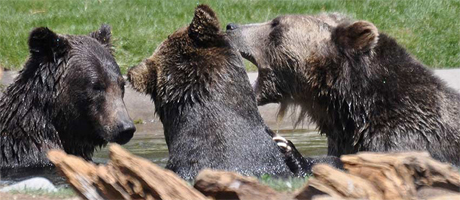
430	29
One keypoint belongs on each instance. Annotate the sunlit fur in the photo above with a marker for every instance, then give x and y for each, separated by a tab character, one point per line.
362	89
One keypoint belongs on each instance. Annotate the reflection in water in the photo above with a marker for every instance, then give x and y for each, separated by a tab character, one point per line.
153	147
308	142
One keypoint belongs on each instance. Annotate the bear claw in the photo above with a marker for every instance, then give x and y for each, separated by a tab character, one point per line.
282	143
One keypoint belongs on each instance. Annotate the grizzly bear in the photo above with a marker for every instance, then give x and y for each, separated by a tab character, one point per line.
69	96
362	89
206	104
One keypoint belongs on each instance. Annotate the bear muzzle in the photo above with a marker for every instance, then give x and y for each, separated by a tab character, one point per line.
124	133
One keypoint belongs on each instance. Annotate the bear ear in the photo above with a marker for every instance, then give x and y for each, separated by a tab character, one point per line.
359	36
205	25
141	76
44	42
103	35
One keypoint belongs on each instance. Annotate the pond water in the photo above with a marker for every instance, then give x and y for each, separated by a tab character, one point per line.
153	147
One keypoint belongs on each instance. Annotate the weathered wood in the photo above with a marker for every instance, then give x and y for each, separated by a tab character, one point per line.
427	192
337	184
400	174
446	197
230	185
409	175
125	177
81	175
149	178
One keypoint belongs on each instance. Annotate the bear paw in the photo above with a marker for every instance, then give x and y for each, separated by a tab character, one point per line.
283	143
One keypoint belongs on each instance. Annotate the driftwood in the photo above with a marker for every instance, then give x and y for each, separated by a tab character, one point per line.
338	184
377	176
125	177
411	175
229	185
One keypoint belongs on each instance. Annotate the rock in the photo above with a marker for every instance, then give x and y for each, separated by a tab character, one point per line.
37	183
125	177
408	175
230	185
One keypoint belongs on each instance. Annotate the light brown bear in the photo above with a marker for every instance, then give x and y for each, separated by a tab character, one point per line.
362	89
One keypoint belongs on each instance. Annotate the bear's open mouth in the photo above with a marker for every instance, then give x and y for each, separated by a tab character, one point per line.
251	59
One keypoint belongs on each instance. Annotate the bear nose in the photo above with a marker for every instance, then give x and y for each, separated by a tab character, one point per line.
231	26
127	130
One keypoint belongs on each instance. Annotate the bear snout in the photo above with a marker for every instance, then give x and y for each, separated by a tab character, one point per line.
231	26
124	133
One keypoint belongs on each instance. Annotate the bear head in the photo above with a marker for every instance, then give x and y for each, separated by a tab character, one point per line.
186	65
290	51
82	86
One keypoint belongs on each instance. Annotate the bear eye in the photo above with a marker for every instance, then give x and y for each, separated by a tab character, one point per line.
122	87
98	86
275	22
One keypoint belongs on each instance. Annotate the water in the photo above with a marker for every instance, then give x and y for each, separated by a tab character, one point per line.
153	147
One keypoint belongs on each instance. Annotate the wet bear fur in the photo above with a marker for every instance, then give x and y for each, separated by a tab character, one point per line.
203	97
362	89
68	96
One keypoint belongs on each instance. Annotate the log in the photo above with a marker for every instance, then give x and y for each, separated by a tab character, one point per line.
80	174
408	175
160	183
400	174
337	184
446	197
230	185
125	177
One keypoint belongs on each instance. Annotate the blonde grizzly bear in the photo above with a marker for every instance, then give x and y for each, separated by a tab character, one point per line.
362	89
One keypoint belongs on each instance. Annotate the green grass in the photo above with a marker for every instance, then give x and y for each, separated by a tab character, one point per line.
430	29
139	121
284	185
2	87
59	194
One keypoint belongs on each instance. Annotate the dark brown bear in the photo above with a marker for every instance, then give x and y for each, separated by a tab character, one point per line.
68	96
362	89
206	104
